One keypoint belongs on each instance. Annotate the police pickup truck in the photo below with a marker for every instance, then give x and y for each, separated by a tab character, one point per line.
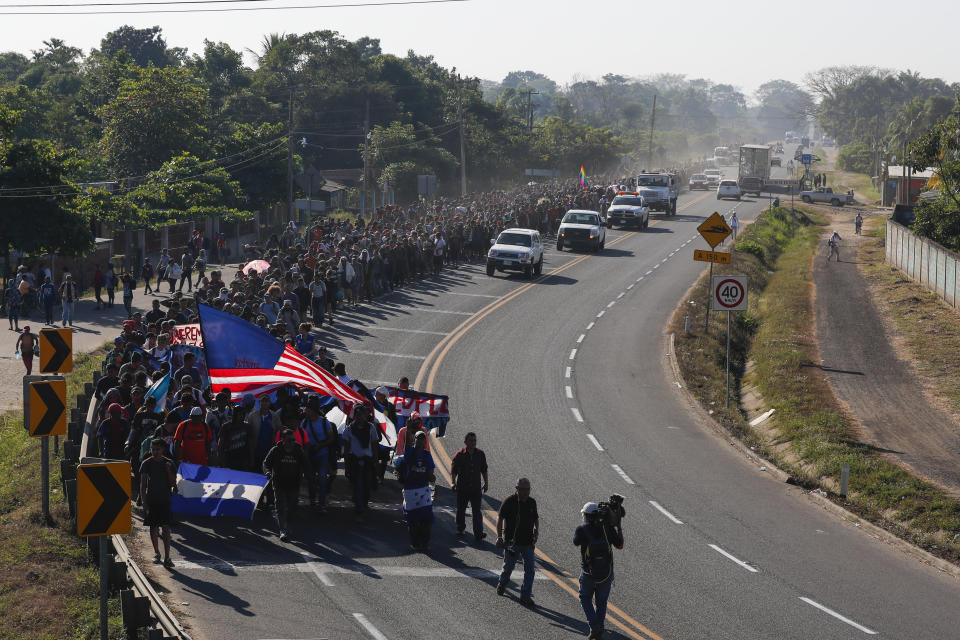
627	208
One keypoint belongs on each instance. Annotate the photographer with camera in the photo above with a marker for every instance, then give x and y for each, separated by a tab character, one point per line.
518	526
596	537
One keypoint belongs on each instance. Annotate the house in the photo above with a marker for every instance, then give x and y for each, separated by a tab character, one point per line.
904	186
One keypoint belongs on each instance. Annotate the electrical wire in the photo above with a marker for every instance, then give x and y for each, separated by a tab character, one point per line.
385	3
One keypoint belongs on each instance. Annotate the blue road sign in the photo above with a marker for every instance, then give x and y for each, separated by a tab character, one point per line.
806	158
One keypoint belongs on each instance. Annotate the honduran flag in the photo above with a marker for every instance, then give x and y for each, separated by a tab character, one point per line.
213	491
159	390
246	359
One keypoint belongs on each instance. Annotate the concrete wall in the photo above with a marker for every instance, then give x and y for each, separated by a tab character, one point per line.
924	261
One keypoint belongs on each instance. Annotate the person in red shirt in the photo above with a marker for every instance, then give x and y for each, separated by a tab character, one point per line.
192	439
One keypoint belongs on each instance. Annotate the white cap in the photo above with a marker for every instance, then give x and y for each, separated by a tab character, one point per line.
588	508
383	391
196	411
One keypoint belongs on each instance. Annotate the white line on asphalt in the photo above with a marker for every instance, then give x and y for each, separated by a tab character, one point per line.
739	562
364	352
600	315
640	278
580	339
568	391
573	353
648	272
590	326
630	286
429	333
455	313
657	266
611	303
567	372
622	293
314	568
839	617
670	516
623	474
472	295
595	442
576	414
368	626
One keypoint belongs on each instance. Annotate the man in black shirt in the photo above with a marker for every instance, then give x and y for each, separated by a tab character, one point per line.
596	540
518	526
469	473
286	464
107	382
157	484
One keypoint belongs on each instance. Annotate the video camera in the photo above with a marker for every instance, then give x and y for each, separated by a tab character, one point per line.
611	511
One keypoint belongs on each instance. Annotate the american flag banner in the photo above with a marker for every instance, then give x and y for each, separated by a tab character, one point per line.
246	359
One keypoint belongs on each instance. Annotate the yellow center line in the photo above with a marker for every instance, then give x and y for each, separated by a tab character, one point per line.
429	369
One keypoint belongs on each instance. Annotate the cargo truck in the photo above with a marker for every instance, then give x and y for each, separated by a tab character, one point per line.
754	168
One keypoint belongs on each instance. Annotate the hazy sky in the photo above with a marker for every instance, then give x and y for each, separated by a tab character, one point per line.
744	42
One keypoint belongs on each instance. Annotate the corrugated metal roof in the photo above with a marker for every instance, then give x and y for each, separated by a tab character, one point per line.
897	171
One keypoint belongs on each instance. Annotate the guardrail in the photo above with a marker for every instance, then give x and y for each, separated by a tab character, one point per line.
140	604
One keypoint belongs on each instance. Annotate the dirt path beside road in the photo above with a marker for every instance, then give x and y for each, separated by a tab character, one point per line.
882	391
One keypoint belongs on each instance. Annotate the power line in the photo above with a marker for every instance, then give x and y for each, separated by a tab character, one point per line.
385	3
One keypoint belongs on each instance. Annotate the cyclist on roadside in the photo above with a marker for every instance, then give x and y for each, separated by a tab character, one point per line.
834	243
858	222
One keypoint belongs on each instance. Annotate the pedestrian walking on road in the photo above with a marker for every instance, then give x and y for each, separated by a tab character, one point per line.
322	435
110	283
468	472
285	465
69	294
360	436
416	471
129	285
596	539
734	224
14	301
27	347
518	526
48	297
158	483
98	286
834	244
146	272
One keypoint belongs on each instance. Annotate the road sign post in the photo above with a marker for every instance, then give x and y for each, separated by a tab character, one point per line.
714	230
47	396
103	509
729	293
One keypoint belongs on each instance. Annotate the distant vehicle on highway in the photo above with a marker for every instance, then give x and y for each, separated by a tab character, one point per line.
714	176
754	168
826	194
728	189
659	191
828	142
516	250
628	207
775	162
699	181
581	228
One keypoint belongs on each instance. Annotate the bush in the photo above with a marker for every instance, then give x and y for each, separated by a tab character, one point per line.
856	157
752	247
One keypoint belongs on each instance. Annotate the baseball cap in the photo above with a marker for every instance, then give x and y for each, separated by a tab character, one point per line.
383	391
588	508
115	408
196	411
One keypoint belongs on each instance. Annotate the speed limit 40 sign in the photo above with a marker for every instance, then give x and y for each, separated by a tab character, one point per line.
729	293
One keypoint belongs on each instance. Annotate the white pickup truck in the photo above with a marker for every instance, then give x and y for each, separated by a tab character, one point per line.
826	194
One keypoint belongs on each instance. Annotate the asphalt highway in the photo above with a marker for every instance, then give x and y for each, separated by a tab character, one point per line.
566	381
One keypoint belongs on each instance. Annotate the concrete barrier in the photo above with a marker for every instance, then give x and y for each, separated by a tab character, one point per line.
924	261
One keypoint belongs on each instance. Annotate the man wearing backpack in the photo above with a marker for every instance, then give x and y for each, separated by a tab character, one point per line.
596	539
322	435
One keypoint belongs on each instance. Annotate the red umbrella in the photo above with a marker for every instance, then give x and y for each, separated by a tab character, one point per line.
260	266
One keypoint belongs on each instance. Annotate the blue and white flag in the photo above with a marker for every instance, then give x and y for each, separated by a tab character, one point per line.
159	390
214	491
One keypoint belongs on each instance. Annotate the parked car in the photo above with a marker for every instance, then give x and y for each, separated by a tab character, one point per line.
826	194
728	189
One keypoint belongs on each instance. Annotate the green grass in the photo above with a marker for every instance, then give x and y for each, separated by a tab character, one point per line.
861	184
811	436
48	588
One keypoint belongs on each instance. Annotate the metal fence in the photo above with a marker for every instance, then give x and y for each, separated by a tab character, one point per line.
924	261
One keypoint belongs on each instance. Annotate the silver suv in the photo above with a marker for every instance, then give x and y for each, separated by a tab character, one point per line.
516	250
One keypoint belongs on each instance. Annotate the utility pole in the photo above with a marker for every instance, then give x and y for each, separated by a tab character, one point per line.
463	158
290	156
366	158
653	121
529	108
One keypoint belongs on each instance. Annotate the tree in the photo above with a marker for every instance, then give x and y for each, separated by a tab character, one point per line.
156	115
146	46
939	147
783	105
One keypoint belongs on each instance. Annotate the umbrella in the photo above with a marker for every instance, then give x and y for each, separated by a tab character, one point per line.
260	266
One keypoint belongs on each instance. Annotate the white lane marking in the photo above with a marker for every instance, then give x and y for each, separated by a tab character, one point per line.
580	339
657	266
622	473
648	272
368	626
314	568
600	315
622	293
590	326
640	278
836	615
630	286
671	254
595	442
364	352
611	303
455	313
573	353
568	391
472	295
429	333
670	516
576	414
566	374
731	557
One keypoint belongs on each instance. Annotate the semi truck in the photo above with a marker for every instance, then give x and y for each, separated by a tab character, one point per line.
754	168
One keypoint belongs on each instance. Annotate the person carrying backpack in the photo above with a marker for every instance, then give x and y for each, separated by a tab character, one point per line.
596	538
322	436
